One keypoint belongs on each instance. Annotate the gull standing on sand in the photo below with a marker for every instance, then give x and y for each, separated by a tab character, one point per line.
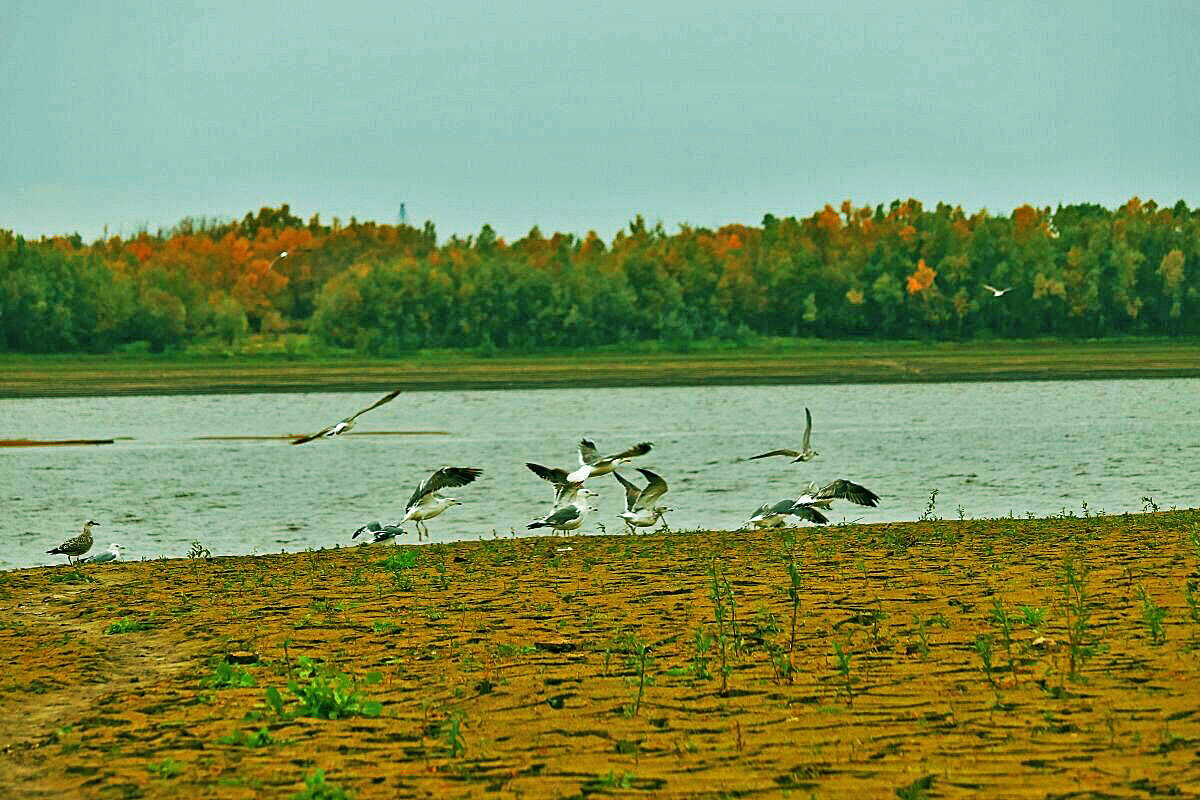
380	532
997	292
426	503
568	518
76	545
805	453
565	491
338	428
113	553
640	510
591	463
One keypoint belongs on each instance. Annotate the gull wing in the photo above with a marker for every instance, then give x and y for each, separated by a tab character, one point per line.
639	449
387	398
371	527
848	490
807	430
632	492
783	452
317	435
444	477
656	487
991	288
811	514
564	514
588	454
782	507
763	509
552	474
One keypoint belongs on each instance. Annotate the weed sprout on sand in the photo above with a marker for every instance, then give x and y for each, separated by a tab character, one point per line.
1077	612
1003	622
721	612
930	514
1153	615
843	669
638	659
316	788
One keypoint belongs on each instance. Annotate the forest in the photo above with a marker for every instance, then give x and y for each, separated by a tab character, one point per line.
895	272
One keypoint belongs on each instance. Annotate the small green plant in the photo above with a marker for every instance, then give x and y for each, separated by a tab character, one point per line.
638	659
1032	617
317	788
1003	621
327	694
1193	602
127	625
450	732
721	613
252	739
166	769
983	647
75	575
229	676
700	657
1153	615
793	592
930	508
843	669
199	551
1077	612
384	626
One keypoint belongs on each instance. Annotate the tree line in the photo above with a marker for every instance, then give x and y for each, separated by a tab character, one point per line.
895	272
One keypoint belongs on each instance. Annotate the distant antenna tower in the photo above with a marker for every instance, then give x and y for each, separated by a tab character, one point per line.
403	215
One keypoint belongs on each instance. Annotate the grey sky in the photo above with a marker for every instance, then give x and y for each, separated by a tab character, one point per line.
578	116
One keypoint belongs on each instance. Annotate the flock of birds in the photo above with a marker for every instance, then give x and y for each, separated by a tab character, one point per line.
570	506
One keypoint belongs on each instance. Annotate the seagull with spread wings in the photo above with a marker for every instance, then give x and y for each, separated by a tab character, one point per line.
379	532
840	489
775	515
426	503
565	491
997	292
805	453
591	463
338	428
640	510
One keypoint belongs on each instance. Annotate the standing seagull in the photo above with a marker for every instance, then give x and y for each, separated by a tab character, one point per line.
76	545
805	453
640	510
568	518
591	463
426	503
774	515
565	491
113	553
997	292
337	429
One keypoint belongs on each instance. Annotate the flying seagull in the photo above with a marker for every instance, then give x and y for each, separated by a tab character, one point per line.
835	490
76	545
426	503
640	510
805	453
379	532
565	491
774	515
591	463
997	292
113	553
568	518
337	429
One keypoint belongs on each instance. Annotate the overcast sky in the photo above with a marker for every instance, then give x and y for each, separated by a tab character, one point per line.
575	116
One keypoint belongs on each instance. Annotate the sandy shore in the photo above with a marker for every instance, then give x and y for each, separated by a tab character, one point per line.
661	665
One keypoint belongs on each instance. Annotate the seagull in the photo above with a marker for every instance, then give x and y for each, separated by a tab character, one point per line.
592	464
381	532
426	503
76	545
113	553
568	518
339	428
640	510
565	491
805	453
839	489
997	292
774	515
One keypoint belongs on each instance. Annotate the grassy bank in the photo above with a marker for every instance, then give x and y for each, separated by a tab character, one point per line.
977	658
770	361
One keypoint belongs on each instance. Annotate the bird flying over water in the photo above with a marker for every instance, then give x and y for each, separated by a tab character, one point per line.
338	428
426	503
805	453
997	292
591	463
76	545
840	489
565	491
640	510
113	553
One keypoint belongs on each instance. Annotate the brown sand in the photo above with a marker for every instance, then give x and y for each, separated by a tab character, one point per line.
525	647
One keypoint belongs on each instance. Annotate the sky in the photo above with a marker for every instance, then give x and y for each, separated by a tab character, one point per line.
120	116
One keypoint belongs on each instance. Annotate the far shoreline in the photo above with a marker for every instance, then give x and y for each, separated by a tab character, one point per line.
780	362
